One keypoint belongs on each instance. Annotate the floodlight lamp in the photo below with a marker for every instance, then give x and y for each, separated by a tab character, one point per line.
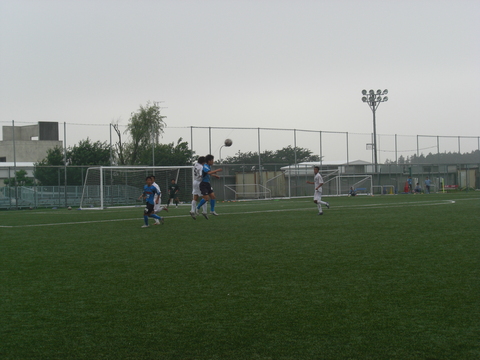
364	92
385	92
385	98
371	92
379	99
364	99
379	92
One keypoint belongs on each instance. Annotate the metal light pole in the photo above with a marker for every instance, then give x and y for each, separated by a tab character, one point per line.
373	100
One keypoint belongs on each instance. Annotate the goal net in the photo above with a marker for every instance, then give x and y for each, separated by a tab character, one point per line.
112	186
341	185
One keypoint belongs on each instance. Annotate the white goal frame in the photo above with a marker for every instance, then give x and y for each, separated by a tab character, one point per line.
147	170
337	181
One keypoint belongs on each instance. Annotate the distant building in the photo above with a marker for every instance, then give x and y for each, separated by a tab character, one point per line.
31	142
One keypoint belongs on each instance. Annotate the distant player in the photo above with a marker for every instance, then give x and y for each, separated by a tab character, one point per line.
173	190
149	192
428	183
197	179
158	205
206	186
317	198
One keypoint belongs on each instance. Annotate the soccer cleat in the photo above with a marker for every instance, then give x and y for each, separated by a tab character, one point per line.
320	213
193	215
157	222
162	221
328	206
165	208
213	213
205	215
144	226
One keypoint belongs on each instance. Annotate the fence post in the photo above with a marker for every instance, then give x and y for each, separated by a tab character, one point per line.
65	161
15	166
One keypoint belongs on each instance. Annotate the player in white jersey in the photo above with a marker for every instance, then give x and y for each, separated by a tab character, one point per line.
197	179
158	206
317	197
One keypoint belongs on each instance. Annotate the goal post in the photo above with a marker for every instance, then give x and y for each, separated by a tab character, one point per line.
340	185
119	186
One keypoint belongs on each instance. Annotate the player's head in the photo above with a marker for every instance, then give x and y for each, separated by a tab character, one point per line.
172	181
201	160
316	169
153	178
209	159
148	180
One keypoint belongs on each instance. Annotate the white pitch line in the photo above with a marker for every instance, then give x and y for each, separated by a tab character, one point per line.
310	208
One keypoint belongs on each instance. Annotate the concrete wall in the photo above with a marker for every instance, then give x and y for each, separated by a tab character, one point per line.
44	130
27	151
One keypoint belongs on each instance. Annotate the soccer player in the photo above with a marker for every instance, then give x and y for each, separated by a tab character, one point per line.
428	182
158	205
197	179
149	192
317	198
173	191
206	187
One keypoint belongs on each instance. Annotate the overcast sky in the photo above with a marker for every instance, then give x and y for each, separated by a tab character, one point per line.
282	64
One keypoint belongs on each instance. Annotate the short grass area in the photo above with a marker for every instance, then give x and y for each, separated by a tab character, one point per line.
384	277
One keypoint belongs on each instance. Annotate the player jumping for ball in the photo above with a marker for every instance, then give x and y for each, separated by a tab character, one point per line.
206	187
149	192
317	197
197	179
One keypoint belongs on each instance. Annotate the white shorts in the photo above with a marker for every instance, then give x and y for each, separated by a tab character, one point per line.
196	188
317	196
157	207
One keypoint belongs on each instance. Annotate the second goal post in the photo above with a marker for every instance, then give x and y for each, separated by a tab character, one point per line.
112	186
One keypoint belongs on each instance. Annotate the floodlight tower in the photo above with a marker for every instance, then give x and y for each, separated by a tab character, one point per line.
373	100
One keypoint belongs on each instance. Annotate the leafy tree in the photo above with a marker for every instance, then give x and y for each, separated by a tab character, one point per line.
440	158
285	156
47	171
168	154
89	153
20	179
145	127
50	171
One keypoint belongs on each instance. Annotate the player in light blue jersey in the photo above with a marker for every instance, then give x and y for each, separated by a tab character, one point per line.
206	186
149	192
428	183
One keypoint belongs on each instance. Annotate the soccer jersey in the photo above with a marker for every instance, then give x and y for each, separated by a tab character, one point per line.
206	175
197	172
149	192
317	181
173	189
158	189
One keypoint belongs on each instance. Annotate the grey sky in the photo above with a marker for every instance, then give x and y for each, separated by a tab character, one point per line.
288	64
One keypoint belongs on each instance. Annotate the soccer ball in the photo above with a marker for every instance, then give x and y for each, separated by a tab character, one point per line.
228	142
69	208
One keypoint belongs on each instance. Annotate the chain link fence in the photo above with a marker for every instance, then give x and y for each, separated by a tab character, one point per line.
64	185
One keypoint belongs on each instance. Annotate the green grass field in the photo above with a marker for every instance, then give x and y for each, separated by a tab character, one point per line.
385	277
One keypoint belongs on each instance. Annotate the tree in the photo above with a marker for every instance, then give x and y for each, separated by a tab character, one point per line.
168	154
46	171
20	179
51	170
89	153
285	156
145	127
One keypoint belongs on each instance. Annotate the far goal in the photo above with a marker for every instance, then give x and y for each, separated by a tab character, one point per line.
113	186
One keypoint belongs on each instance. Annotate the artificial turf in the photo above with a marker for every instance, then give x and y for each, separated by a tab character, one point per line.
385	277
